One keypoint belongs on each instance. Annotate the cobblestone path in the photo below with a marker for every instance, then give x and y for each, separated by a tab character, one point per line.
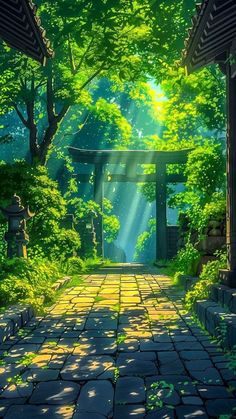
118	346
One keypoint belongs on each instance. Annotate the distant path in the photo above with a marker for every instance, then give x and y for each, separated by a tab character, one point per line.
118	346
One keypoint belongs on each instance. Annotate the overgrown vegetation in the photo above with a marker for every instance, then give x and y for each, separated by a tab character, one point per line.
27	280
208	277
48	238
30	281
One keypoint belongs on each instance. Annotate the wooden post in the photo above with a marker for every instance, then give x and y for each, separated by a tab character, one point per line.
98	198
161	230
228	277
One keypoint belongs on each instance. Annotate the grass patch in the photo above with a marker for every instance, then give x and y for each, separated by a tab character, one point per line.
30	281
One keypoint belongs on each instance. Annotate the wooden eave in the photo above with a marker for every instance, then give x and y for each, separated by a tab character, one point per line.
128	156
212	34
20	28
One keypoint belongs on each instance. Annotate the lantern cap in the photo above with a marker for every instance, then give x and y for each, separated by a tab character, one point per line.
17	209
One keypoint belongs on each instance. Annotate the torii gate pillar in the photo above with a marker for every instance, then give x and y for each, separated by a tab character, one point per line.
98	198
161	219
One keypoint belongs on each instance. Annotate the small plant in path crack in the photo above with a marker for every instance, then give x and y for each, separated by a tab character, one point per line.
121	339
23	332
116	374
27	359
155	398
16	379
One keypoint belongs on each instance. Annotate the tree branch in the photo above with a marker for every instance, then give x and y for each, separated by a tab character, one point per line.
70	134
43	82
71	57
23	120
84	54
62	113
33	136
50	99
66	107
95	74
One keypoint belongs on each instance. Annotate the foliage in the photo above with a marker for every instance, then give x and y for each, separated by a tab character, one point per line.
145	240
92	263
193	116
90	209
74	265
119	127
198	217
187	260
47	237
205	170
27	280
92	39
202	200
195	104
13	290
64	243
31	280
3	244
208	277
111	223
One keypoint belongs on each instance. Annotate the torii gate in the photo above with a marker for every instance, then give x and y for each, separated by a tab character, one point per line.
132	158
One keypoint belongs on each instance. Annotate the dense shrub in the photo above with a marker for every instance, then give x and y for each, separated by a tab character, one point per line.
187	260
75	265
30	269
205	170
13	289
92	263
208	277
27	280
197	218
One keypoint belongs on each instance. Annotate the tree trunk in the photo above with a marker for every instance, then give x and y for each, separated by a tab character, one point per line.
47	142
33	144
49	135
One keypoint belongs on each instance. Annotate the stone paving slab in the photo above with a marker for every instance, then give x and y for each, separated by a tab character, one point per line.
96	397
117	346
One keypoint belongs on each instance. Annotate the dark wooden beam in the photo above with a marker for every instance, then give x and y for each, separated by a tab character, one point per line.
212	34
128	157
20	28
138	178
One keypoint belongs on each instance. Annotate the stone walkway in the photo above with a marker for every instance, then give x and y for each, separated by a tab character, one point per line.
118	346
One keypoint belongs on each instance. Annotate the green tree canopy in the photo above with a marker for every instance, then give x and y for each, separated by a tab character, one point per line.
122	40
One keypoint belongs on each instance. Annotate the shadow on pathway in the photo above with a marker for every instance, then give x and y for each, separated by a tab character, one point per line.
117	346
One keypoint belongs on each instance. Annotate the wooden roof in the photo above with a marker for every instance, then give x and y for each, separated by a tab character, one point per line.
128	156
20	28
212	34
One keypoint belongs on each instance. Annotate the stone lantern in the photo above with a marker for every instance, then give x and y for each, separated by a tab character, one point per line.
16	236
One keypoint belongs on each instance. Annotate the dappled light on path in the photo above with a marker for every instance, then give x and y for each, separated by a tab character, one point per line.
119	345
